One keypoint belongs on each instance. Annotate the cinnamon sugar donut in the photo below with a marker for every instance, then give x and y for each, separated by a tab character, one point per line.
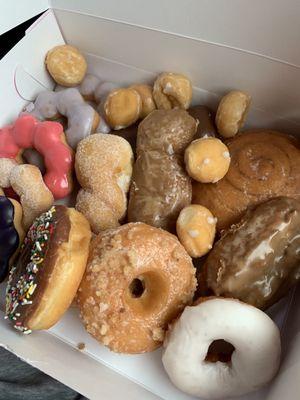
264	164
138	279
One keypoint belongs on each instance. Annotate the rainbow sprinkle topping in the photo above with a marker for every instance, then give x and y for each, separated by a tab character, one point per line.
21	292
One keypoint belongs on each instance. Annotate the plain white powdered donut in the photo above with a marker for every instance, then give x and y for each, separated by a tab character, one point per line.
254	361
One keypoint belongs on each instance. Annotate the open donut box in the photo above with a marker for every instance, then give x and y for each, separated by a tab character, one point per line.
220	45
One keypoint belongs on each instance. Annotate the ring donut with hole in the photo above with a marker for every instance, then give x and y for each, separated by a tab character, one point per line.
137	280
221	348
83	120
49	140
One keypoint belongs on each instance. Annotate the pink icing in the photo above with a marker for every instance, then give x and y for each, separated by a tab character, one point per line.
46	137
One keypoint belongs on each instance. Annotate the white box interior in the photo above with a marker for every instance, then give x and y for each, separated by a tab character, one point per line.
127	53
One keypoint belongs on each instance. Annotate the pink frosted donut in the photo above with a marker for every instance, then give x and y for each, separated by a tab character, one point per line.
49	140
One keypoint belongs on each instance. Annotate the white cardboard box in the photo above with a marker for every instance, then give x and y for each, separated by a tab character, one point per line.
220	45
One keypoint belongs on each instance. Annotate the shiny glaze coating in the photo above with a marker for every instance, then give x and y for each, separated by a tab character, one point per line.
161	187
264	164
258	259
48	139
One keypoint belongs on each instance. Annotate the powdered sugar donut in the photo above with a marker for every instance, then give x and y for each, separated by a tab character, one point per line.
82	118
256	349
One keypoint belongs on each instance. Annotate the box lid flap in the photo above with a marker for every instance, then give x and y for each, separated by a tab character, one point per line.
14	13
269	28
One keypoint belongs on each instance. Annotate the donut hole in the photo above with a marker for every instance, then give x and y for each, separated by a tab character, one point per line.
147	293
219	350
137	288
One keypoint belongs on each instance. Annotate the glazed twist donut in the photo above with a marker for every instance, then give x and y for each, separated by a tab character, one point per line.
48	139
103	167
82	118
264	164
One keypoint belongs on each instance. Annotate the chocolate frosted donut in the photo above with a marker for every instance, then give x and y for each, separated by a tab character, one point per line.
9	237
45	277
264	164
257	260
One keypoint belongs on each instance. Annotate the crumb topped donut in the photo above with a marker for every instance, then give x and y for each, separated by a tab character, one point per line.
249	336
138	279
45	277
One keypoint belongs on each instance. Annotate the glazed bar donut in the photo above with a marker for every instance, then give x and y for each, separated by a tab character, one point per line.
161	187
251	336
138	279
264	164
46	275
49	140
257	260
83	120
11	232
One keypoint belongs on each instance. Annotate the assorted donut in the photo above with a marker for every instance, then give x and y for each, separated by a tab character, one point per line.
184	230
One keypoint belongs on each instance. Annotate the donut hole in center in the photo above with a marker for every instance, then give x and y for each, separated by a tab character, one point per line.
147	292
137	287
219	350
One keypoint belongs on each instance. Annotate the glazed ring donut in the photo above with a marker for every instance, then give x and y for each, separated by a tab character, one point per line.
138	279
49	140
46	275
11	232
83	120
252	353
